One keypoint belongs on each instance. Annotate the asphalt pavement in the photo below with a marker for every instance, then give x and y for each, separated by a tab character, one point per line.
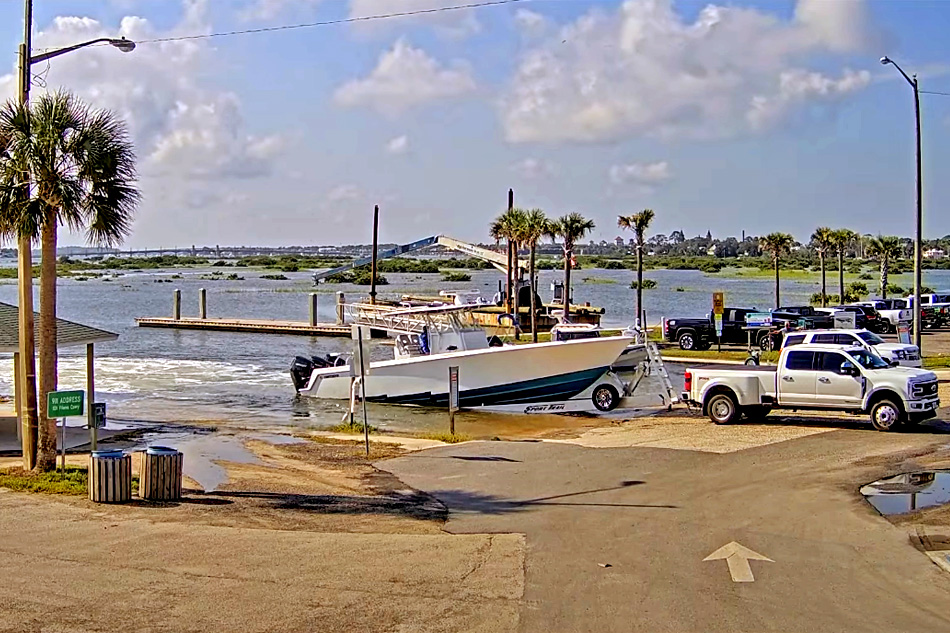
772	538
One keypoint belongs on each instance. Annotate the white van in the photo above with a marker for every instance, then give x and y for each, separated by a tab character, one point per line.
905	355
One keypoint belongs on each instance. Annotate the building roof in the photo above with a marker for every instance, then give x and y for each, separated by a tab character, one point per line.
67	332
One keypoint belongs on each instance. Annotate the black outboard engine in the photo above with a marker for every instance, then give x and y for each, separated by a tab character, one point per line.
300	370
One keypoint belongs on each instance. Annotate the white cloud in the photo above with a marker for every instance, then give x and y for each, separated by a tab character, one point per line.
181	127
645	70
403	78
455	23
398	145
271	9
531	22
344	192
533	168
640	173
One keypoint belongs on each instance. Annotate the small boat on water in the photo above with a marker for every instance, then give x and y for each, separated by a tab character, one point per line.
535	377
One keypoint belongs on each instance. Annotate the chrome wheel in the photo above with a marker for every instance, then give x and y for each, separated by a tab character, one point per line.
722	408
605	398
885	415
686	341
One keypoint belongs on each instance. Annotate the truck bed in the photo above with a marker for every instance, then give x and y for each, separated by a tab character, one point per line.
767	368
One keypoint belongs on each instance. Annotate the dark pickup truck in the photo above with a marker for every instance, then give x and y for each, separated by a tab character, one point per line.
813	319
701	333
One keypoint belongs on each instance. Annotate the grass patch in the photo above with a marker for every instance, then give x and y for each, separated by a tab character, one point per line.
71	482
598	280
355	428
936	362
448	438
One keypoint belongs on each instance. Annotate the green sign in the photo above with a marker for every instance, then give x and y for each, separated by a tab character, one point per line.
64	404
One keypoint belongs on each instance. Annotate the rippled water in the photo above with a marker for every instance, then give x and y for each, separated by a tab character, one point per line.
240	378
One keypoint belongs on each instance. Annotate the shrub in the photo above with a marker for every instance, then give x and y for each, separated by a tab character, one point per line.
894	289
274	277
648	284
865	277
613	264
290	268
450	276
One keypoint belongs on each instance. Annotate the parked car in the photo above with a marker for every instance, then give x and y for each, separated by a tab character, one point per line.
701	333
822	377
939	302
813	317
866	318
891	310
906	355
929	317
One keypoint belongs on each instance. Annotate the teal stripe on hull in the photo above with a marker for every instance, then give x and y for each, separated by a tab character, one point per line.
549	389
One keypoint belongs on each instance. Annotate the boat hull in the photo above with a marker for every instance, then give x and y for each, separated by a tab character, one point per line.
542	372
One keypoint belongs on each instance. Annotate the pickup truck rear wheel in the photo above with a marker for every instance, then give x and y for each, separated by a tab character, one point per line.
722	408
885	415
687	340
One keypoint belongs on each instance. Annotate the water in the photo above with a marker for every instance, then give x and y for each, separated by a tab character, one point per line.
241	379
909	492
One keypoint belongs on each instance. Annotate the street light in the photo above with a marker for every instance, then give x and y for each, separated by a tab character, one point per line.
917	237
26	380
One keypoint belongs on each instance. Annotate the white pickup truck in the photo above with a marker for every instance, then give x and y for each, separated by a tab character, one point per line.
822	377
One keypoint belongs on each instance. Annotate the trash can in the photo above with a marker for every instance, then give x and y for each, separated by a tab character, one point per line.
110	476
160	475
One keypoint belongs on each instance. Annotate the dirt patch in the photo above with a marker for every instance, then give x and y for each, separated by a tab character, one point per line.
319	486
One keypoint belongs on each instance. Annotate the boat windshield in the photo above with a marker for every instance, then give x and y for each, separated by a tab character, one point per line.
868	360
871	338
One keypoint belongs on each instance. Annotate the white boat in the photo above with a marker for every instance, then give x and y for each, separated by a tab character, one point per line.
430	340
633	355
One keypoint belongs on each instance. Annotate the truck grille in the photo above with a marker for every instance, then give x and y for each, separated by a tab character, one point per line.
925	389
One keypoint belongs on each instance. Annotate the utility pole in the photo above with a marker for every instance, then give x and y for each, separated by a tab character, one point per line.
918	237
372	292
26	409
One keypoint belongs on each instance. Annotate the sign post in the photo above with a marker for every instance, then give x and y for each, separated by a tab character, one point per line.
718	307
453	397
61	405
359	364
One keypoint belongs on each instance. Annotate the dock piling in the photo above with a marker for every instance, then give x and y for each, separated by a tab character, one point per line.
313	309
176	310
340	308
202	303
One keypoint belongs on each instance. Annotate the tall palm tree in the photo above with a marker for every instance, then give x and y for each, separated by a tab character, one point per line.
570	229
508	227
884	248
535	226
822	240
841	240
638	223
82	166
777	244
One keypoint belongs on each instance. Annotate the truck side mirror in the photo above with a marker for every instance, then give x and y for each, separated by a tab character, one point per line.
848	369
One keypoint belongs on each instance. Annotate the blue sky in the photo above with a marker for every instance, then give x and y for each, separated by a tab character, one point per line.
755	116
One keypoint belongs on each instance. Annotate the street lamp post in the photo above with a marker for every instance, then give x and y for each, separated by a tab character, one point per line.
26	410
917	236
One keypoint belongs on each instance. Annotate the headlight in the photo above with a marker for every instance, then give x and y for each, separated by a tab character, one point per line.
900	355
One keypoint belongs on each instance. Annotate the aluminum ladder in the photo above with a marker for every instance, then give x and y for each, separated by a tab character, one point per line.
656	363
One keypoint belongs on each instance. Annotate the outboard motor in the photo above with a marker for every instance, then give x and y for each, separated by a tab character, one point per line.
300	370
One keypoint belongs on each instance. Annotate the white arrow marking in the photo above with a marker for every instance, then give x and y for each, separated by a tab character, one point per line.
738	558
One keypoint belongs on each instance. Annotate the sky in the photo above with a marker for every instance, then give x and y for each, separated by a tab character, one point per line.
726	116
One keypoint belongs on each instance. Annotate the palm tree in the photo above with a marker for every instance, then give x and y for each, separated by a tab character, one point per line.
638	223
534	227
822	239
841	240
508	227
570	228
777	244
884	248
82	166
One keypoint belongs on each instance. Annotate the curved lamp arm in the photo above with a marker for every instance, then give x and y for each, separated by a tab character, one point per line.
124	45
888	60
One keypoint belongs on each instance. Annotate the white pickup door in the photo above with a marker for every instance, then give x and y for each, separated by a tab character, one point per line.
798	379
835	388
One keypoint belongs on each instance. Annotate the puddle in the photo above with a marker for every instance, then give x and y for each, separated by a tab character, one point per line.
200	454
909	492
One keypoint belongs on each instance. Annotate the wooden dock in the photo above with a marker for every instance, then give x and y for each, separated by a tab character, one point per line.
263	326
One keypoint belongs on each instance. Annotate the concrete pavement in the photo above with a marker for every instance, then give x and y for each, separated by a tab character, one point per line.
617	537
72	568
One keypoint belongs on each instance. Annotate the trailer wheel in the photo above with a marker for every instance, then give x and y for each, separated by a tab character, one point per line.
885	415
722	408
605	398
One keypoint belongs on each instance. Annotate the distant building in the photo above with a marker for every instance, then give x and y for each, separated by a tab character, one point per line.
935	253
618	241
